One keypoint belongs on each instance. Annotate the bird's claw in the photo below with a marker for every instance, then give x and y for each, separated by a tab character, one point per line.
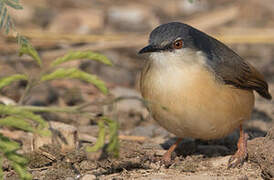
237	159
166	160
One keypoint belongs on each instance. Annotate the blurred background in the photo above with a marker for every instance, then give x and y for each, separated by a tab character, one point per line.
119	29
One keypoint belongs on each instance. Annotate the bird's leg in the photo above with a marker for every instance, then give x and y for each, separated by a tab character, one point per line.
241	154
166	159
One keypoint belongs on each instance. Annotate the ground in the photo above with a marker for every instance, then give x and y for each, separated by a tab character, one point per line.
119	29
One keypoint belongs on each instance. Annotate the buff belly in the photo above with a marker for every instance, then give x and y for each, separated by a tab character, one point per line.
188	101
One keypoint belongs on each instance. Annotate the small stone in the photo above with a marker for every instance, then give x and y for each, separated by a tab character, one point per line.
63	134
218	162
160	152
261	151
69	178
7	101
88	177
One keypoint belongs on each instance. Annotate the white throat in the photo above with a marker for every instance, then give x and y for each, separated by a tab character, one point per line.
177	58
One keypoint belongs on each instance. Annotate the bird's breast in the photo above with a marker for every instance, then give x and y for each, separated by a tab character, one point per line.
188	100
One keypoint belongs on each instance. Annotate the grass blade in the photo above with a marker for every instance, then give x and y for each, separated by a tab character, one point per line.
1	170
101	138
76	55
7	145
24	114
1	7
10	79
3	17
73	73
13	4
113	146
26	48
7	25
22	171
16	122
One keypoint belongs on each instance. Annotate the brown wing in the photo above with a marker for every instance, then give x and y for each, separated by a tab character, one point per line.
229	66
243	75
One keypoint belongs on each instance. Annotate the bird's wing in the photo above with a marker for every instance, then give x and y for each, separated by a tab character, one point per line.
243	75
229	66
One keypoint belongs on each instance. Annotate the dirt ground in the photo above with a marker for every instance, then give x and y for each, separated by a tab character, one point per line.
56	27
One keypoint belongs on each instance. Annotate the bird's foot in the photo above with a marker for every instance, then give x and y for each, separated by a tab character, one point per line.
237	159
240	156
166	159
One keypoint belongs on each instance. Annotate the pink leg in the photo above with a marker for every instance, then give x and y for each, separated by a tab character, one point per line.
241	154
166	159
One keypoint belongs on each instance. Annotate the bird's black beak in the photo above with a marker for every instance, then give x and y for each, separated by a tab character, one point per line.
148	49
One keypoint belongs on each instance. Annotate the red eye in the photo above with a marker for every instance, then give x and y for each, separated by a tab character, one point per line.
178	44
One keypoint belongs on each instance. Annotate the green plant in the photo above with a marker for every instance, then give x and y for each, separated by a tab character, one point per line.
24	117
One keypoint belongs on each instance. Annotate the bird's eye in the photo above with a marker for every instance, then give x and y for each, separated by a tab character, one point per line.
178	44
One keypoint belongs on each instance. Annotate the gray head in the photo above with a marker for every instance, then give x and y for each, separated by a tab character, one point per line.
178	38
167	37
175	36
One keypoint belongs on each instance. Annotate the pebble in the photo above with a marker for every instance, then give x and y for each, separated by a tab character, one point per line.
218	162
88	177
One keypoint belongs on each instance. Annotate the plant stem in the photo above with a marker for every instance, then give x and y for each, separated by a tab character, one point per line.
79	109
71	110
25	93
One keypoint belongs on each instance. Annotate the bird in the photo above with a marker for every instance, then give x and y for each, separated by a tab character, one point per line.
197	87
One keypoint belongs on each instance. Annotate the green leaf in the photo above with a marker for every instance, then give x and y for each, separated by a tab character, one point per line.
7	145
1	7
10	79
7	25
44	132
3	17
16	1
17	158
20	113
1	170
101	138
16	122
13	4
26	48
22	172
113	145
73	73
8	148
76	55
